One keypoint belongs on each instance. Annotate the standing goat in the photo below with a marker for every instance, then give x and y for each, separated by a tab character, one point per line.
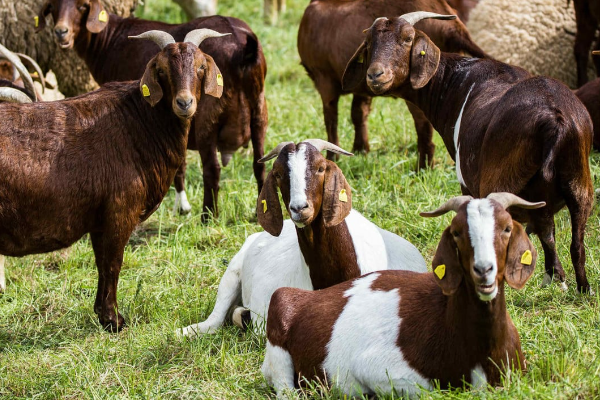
587	16
397	330
506	129
101	162
330	32
331	243
239	116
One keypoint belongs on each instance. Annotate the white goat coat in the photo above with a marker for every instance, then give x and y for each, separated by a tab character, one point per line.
266	263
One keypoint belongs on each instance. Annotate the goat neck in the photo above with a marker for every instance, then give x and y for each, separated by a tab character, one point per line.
328	252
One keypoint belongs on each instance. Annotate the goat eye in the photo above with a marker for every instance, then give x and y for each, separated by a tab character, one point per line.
455	234
507	229
160	71
321	169
201	68
408	39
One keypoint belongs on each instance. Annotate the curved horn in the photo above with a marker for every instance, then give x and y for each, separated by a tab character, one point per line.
275	152
162	39
451	205
36	67
325	145
508	199
198	35
27	81
414	17
13	95
596	53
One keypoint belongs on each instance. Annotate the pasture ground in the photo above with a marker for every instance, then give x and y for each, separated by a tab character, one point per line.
51	345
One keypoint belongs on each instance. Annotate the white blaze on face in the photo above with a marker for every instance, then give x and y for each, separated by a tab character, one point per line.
480	218
297	165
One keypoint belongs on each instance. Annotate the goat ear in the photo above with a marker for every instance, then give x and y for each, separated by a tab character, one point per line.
424	60
268	208
149	86
97	17
213	80
40	20
520	258
446	264
337	197
356	69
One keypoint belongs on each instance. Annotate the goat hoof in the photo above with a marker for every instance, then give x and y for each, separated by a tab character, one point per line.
546	281
585	290
241	317
563	286
113	326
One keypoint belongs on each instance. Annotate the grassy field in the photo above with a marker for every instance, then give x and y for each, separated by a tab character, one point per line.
51	345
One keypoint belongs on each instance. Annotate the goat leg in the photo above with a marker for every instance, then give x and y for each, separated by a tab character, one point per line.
258	130
181	206
211	173
424	131
361	107
330	95
2	276
544	227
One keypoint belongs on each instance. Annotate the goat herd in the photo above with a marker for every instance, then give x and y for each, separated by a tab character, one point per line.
101	163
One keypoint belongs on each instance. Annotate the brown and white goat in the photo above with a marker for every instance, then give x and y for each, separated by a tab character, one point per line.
397	330
225	124
331	242
506	129
330	32
101	162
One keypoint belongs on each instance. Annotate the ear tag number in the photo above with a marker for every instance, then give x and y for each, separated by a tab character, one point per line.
264	203
36	20
145	90
103	16
527	258
219	79
343	196
361	58
422	52
440	271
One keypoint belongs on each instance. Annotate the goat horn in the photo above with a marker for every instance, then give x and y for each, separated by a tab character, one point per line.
198	35
596	52
451	205
414	17
508	199
275	152
13	95
162	39
36	67
325	145
16	62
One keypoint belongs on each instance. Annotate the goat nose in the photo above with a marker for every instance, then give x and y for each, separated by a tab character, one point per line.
298	208
61	31
184	104
482	270
375	74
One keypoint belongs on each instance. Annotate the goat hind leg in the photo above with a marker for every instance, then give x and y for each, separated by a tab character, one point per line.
330	96
278	369
544	228
424	131
211	174
361	107
181	206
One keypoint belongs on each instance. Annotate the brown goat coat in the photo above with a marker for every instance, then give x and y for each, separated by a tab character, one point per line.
589	94
226	124
330	32
587	17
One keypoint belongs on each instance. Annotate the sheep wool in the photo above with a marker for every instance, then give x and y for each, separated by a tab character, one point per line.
537	35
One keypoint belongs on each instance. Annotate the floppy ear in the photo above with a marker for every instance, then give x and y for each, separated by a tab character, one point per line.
268	208
424	60
446	264
97	17
520	258
337	197
149	85
356	69
40	20
213	80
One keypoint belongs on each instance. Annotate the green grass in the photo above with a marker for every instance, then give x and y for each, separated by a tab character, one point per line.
51	345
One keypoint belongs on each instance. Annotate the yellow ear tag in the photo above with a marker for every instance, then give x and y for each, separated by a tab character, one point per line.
526	258
361	58
343	196
440	271
102	17
422	52
264	206
36	19
145	90
219	79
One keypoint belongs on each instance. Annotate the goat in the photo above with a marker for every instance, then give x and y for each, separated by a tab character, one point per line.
587	18
101	162
239	116
589	94
463	8
16	84
397	330
506	129
331	242
330	32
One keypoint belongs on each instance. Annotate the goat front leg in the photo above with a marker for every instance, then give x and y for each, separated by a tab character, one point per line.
108	249
211	174
181	206
278	370
586	30
361	107
424	131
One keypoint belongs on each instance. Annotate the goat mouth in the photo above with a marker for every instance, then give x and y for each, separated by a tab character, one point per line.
486	289
65	45
378	87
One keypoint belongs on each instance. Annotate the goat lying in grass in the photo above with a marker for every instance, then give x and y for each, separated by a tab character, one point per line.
331	242
398	330
101	162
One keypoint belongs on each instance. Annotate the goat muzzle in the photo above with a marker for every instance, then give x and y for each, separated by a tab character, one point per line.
64	36
379	78
184	104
